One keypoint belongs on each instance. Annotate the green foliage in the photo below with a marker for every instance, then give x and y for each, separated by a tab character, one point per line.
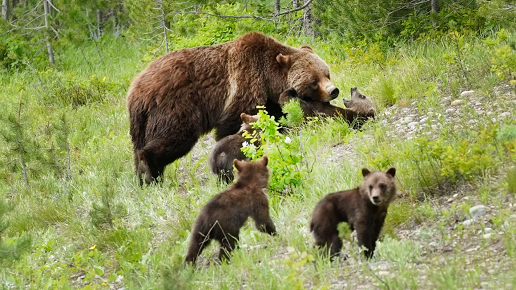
70	90
294	264
294	114
10	248
105	212
511	180
285	154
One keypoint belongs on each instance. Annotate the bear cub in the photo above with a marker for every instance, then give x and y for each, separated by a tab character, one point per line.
223	216
228	148
358	109
363	208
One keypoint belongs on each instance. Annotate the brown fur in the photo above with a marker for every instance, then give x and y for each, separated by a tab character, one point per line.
223	216
359	107
229	148
363	208
186	93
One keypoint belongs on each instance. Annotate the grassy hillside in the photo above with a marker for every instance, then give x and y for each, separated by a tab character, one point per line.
78	219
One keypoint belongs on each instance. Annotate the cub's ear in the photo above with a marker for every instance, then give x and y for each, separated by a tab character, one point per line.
365	172
353	89
239	165
307	48
284	60
391	171
246	118
264	161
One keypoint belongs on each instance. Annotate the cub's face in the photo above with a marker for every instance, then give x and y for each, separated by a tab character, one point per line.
309	75
379	186
360	103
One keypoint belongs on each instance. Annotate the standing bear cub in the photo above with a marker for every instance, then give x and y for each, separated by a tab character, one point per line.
358	109
363	208
224	215
228	148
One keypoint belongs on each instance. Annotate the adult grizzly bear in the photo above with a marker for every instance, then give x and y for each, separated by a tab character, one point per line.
186	93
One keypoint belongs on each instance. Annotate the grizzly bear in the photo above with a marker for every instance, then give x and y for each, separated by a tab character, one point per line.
223	216
187	93
363	208
358	109
229	148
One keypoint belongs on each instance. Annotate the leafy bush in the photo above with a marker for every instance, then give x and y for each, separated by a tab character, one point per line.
285	153
70	90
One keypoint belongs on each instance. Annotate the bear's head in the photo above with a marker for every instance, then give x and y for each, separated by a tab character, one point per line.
360	103
247	120
379	187
309	75
253	173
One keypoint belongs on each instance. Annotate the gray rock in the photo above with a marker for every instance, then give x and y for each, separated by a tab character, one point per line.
467	222
413	124
504	115
456	103
477	211
466	94
423	120
487	236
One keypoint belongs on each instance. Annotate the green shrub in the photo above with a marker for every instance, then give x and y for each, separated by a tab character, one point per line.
285	153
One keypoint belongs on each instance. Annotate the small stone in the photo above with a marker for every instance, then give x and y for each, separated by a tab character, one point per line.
477	211
456	103
467	222
383	273
455	195
412	124
491	271
448	111
423	120
406	120
466	94
487	236
504	115
478	104
487	230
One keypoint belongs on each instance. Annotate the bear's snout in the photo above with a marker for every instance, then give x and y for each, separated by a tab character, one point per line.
347	103
333	92
376	199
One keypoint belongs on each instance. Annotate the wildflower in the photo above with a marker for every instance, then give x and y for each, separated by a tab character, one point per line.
245	144
288	140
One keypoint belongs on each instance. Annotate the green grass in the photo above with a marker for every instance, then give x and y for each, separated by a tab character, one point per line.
141	243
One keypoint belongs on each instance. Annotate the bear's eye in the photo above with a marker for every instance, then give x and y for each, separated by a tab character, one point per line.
370	187
361	96
314	84
383	186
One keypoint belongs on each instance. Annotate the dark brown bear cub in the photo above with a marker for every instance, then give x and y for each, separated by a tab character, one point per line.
358	109
228	149
224	215
363	208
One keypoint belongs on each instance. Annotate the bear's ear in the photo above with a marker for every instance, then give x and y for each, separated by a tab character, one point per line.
391	171
246	118
264	161
284	60
353	89
238	164
365	172
307	48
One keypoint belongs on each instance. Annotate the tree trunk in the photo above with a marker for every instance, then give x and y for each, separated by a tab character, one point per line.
164	23
277	6
50	51
99	23
5	9
308	20
435	5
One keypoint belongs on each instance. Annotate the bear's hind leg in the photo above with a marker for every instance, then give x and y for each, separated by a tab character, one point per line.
227	245
197	245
